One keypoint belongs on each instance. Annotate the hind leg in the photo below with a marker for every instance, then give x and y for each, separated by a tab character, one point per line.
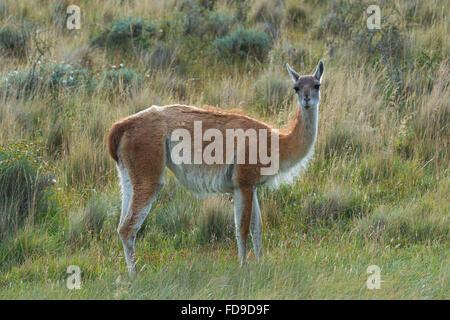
126	189
141	202
142	177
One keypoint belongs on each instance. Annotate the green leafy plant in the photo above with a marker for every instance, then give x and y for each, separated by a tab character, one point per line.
243	43
25	186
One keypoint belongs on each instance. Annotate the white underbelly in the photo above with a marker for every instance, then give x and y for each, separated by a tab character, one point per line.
203	180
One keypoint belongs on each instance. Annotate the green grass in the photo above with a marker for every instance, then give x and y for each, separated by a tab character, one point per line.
376	192
304	270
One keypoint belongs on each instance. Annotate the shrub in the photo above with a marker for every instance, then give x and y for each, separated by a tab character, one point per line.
89	221
424	221
175	219
24	185
122	80
341	20
333	206
193	19
294	54
57	138
15	40
216	223
45	78
80	57
219	24
161	56
63	76
243	43
268	28
126	33
295	13
81	166
267	11
213	223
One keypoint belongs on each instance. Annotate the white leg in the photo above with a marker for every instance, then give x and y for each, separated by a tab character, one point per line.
243	198
131	222
238	208
128	239
126	189
256	227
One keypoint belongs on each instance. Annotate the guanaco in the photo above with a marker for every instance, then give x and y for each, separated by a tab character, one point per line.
143	144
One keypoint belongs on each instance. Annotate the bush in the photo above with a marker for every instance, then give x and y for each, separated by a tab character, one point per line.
219	24
80	57
126	33
82	166
24	185
15	40
267	11
296	14
53	78
193	19
294	54
199	22
243	43
424	221
334	206
45	78
161	56
63	76
268	28
88	222
341	21
57	138
122	80
216	223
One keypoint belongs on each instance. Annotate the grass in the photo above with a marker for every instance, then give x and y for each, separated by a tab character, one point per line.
376	192
319	271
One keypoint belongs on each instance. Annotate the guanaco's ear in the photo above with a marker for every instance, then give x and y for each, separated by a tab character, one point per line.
319	71
294	75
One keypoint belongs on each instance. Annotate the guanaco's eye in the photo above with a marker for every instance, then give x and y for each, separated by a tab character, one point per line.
317	86
296	89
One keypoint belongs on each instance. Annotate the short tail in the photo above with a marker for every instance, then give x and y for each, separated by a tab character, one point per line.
114	137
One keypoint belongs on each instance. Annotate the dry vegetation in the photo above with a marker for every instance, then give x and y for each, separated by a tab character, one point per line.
376	192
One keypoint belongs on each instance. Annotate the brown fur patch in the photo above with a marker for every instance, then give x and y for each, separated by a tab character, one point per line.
114	137
247	195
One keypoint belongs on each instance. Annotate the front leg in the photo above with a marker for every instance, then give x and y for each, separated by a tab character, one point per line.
256	227
243	203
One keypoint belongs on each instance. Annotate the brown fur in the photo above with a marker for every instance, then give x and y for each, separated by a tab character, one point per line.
114	137
247	193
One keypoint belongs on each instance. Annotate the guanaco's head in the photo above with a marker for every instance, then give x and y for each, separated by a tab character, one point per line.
307	88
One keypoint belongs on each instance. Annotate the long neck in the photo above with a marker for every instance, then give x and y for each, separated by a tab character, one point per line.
296	141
